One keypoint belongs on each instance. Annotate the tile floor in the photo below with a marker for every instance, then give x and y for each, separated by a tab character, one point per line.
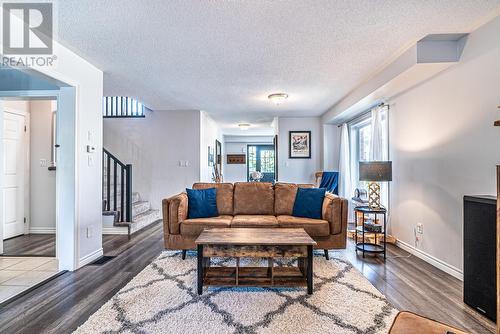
18	274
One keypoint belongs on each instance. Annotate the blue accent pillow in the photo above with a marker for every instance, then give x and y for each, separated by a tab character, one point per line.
202	203
309	203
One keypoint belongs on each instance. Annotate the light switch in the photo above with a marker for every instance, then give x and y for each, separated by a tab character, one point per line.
43	162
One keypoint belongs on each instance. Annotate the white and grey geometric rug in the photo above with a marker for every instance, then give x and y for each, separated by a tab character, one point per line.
163	299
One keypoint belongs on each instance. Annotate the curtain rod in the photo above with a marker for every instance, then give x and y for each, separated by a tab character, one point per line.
363	114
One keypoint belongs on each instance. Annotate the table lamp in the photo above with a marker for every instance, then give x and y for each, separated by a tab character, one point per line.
374	172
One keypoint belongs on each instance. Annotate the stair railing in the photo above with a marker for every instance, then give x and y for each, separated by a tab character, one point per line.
112	169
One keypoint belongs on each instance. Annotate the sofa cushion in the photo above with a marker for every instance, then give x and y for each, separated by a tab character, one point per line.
224	196
284	197
313	227
202	203
254	221
253	198
193	227
309	203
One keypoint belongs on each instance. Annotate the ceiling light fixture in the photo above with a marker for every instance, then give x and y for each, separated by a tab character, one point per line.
278	98
244	126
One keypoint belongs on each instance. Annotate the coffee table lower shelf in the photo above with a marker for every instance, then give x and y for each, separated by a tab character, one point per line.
255	276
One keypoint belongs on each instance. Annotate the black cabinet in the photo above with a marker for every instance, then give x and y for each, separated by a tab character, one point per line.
479	254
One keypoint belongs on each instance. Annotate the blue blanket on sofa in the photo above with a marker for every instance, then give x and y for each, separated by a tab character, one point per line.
330	181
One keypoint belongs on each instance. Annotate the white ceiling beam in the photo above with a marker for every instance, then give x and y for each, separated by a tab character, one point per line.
422	61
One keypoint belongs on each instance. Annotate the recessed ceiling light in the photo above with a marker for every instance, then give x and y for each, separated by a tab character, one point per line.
244	126
278	98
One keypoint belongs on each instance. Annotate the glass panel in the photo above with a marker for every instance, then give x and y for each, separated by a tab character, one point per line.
267	161
252	159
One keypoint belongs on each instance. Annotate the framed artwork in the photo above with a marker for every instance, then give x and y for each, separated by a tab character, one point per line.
299	143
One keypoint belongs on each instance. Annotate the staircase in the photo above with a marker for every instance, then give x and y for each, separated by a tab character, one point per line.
124	211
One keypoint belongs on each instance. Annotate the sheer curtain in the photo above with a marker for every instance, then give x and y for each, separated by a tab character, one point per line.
345	176
379	148
345	187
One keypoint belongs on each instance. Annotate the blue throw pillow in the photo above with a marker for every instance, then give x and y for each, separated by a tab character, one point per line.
309	203
202	203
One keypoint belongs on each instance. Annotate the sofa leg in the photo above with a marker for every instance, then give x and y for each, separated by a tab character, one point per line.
326	254
184	254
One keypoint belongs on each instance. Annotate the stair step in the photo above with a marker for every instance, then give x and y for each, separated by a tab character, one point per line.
140	207
135	197
144	219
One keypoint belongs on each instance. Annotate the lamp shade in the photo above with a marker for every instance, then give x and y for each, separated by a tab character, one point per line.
375	171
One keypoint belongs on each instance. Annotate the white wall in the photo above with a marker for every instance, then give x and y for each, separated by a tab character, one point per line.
331	147
42	181
238	145
79	176
154	146
299	170
209	132
443	146
79	237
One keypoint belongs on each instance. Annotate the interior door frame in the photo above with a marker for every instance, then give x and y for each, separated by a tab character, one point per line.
27	164
66	187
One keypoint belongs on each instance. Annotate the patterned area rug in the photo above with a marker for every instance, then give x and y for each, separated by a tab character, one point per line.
163	299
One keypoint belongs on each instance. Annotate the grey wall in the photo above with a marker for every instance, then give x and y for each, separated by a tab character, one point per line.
42	181
443	145
299	170
154	146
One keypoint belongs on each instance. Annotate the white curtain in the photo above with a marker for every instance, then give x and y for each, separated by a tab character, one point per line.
377	149
345	186
379	145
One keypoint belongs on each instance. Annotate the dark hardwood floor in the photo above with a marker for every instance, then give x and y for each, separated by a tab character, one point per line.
31	244
64	303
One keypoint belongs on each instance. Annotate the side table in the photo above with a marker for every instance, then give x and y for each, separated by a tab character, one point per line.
368	247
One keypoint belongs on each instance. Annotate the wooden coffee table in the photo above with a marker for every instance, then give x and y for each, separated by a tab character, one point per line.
259	243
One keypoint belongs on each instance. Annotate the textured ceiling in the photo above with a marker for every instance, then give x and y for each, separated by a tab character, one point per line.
225	57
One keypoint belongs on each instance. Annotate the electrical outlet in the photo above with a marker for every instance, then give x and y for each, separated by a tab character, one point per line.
420	228
89	232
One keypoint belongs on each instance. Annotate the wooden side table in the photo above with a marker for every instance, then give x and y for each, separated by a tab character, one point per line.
368	247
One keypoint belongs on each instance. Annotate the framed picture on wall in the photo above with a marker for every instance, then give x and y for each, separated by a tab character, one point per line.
299	143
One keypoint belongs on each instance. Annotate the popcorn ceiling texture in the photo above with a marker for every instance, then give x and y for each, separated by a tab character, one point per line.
163	299
225	57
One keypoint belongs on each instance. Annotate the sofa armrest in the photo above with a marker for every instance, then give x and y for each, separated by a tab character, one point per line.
335	212
175	211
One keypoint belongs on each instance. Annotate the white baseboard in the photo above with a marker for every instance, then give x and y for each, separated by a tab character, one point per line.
119	230
447	268
90	258
42	230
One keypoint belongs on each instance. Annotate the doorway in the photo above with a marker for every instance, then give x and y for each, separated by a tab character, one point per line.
261	158
29	191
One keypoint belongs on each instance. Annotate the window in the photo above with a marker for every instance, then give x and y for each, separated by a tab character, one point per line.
120	106
360	131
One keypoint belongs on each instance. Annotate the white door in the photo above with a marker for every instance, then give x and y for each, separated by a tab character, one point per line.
14	163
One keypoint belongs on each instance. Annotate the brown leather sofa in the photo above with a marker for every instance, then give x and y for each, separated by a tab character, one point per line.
254	205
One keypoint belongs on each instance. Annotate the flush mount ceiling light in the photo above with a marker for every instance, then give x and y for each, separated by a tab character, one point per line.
244	126
278	98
